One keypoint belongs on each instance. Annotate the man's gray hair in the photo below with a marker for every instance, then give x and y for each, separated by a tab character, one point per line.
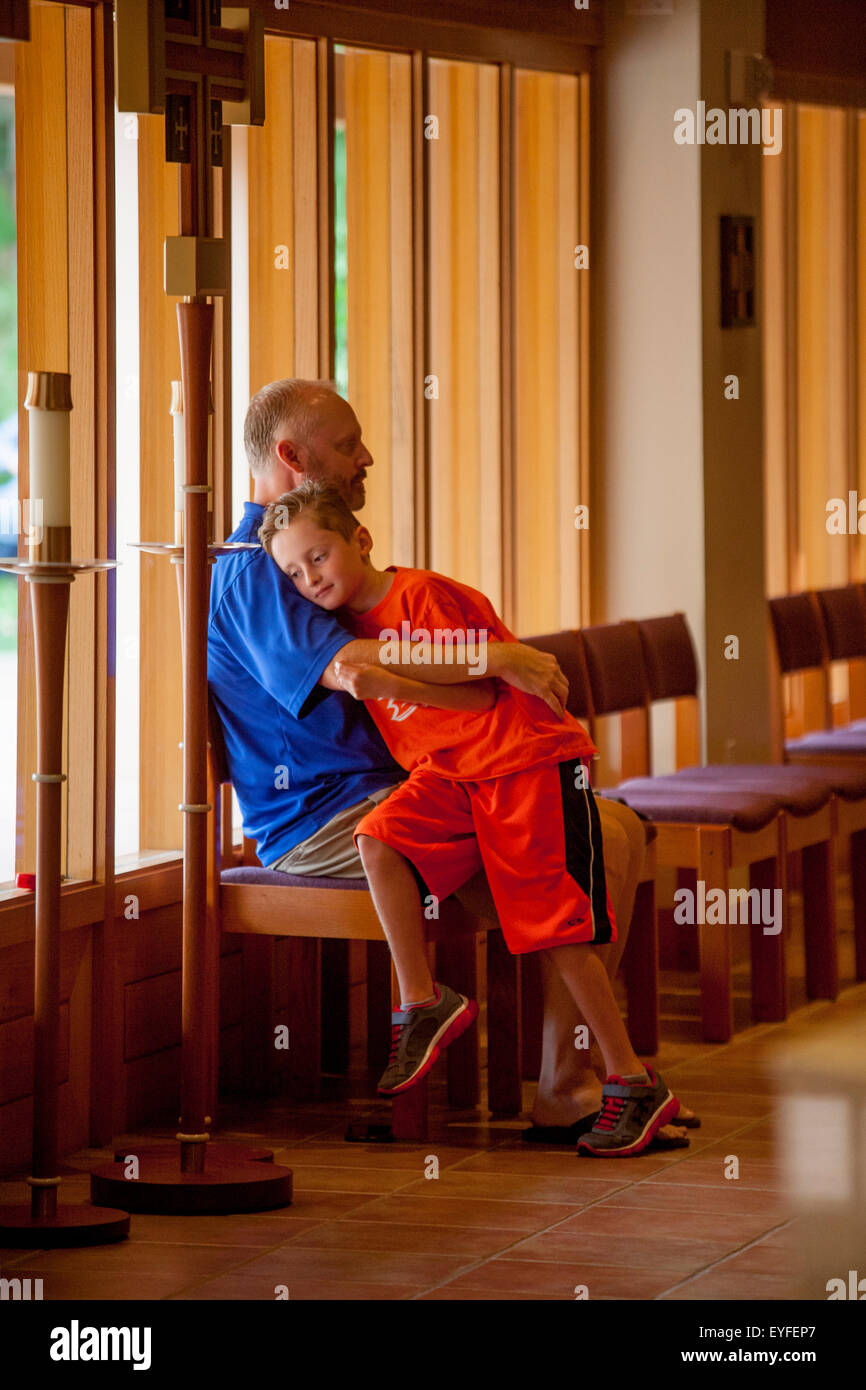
288	405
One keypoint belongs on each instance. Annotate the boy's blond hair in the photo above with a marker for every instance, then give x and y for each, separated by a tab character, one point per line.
324	502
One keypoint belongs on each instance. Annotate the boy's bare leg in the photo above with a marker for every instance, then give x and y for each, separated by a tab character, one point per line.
398	905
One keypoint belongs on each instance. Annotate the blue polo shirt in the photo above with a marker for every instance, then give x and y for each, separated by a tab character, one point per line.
298	754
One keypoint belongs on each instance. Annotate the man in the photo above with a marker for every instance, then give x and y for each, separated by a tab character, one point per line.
306	762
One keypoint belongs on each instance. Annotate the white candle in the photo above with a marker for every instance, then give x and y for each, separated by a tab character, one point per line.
48	404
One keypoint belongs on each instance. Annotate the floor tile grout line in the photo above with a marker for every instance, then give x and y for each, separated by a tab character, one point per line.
545	1231
810	1011
723	1259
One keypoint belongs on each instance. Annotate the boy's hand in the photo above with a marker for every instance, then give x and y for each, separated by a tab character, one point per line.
361	681
532	671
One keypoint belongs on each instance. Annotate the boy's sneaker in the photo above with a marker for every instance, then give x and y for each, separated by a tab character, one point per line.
419	1035
631	1114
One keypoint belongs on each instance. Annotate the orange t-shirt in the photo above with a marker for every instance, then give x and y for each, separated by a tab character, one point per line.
518	731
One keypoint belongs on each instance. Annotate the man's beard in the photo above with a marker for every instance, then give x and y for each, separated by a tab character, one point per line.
352	489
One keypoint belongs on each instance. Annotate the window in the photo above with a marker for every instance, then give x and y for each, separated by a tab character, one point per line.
63	246
815	346
814	282
9	510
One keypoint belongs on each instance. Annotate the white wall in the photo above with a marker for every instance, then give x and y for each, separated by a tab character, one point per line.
647	521
677	511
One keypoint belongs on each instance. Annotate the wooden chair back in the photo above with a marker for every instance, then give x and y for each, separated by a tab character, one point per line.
618	686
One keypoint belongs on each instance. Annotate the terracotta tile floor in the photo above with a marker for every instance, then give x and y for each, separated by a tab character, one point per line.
503	1220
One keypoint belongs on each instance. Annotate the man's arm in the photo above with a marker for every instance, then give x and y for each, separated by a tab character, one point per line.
534	672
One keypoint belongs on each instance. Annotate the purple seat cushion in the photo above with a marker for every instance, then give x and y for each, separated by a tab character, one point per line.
664	799
275	878
801	791
847	782
845	743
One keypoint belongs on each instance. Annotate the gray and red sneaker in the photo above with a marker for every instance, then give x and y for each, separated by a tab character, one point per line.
420	1034
631	1115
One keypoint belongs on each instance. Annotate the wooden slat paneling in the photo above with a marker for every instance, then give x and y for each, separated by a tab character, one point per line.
82	678
549	328
464	422
774	271
284	229
161	728
821	350
379	290
859	301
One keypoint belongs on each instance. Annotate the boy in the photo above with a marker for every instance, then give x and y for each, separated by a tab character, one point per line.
495	781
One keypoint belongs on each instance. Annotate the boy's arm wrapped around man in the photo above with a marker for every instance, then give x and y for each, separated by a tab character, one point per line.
368	682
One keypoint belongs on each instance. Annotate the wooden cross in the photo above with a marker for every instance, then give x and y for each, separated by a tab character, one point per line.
202	64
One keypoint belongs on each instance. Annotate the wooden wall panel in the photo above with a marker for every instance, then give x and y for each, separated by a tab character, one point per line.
859	382
465	485
774	271
584	611
283	219
82	677
160	719
822	292
16	1048
379	292
61	253
549	330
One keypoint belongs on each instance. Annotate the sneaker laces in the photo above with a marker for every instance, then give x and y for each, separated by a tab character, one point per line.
396	1030
611	1110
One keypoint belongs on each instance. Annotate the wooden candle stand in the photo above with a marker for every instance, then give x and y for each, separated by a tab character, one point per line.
195	1176
198	72
46	1223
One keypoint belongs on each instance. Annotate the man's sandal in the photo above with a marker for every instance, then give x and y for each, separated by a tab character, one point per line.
569	1134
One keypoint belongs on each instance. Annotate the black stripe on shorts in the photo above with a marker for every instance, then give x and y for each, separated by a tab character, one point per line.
584	855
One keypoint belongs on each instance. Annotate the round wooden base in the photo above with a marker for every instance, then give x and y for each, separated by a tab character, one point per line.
74	1223
227	1185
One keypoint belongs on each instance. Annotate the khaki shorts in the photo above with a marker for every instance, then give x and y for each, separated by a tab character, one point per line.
331	852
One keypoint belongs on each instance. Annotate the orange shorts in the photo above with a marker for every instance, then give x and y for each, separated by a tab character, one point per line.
536	835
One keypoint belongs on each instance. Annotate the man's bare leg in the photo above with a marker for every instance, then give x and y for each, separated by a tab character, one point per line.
570	1079
569	1084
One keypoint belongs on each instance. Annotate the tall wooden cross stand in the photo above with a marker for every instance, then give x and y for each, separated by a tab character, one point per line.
201	63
